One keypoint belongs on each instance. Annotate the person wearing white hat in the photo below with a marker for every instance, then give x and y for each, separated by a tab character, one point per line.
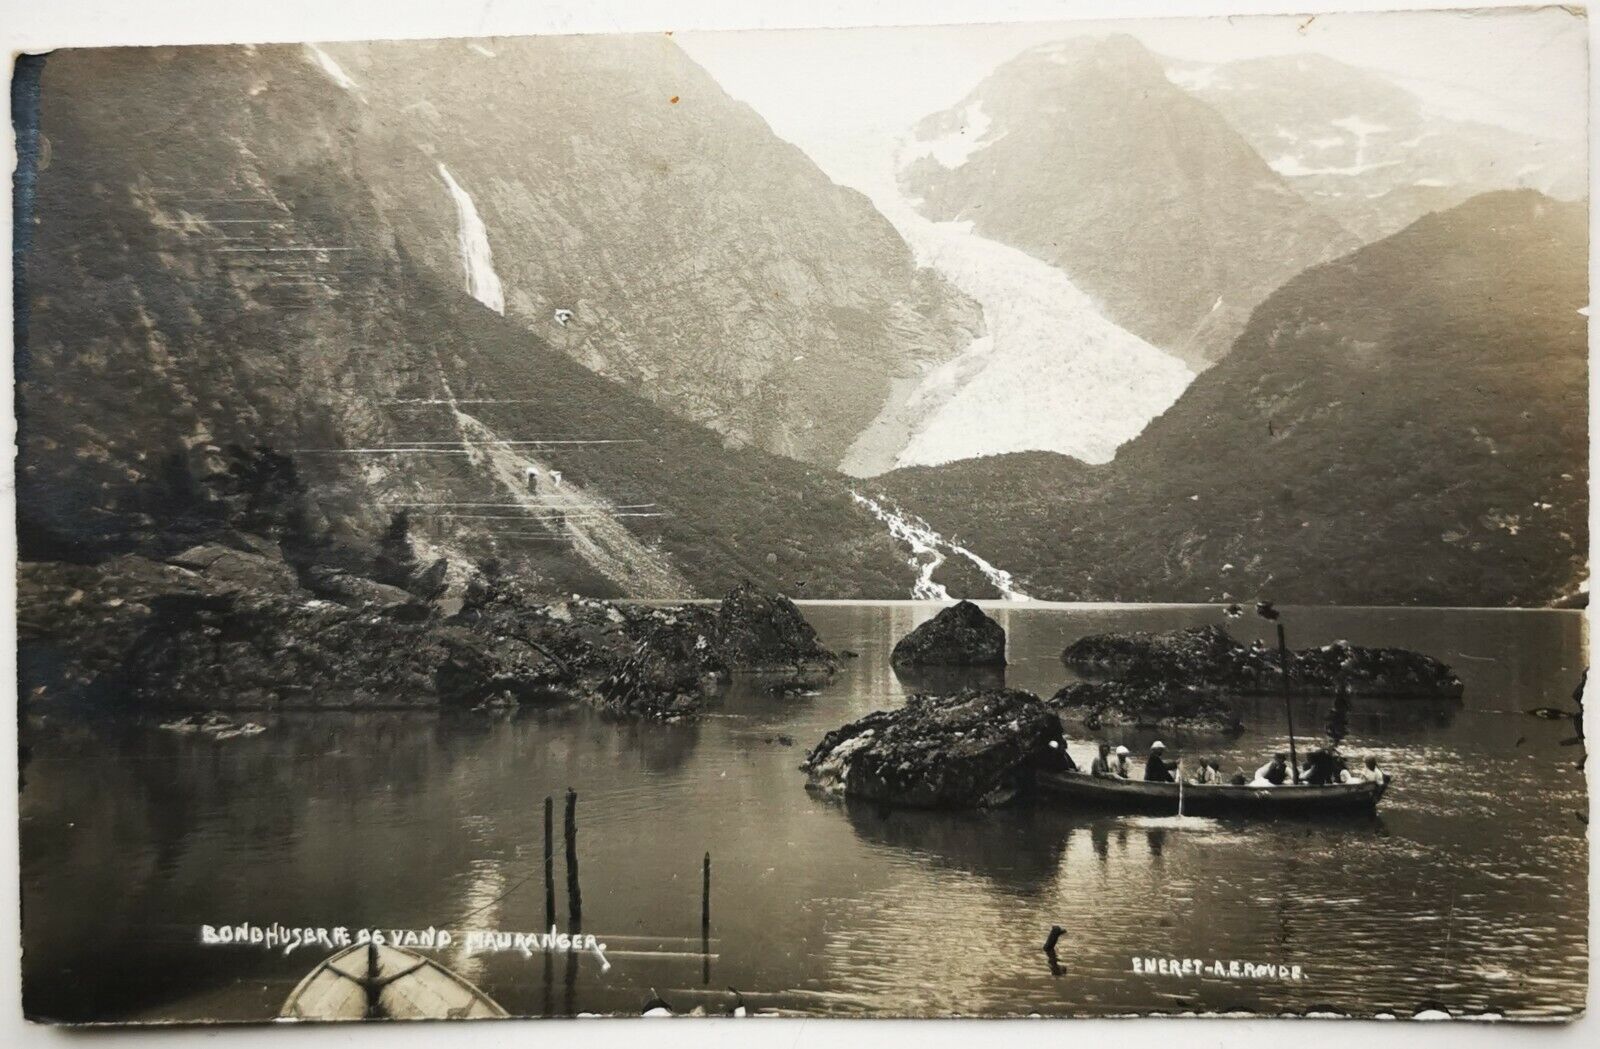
1120	769
1156	769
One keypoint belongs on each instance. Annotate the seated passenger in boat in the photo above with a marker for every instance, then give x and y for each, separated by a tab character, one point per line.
1208	775
1156	769
1274	773
1370	772
1101	765
1322	768
1119	768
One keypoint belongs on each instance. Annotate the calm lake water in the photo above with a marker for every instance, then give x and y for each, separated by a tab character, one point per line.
1468	892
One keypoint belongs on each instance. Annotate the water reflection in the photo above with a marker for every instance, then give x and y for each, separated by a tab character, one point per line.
942	680
1470	890
1018	850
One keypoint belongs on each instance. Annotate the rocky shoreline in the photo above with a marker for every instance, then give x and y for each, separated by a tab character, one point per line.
231	625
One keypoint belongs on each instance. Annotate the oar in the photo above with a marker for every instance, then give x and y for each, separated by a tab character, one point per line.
1180	788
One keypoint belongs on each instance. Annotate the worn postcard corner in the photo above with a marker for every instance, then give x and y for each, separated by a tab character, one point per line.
1078	519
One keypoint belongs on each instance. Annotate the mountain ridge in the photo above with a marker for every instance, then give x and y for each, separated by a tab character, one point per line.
702	261
1454	344
227	333
1169	208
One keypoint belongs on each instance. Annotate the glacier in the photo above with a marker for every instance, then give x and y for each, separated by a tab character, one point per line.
1051	374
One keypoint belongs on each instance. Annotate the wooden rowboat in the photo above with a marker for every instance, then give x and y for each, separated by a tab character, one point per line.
368	982
1082	789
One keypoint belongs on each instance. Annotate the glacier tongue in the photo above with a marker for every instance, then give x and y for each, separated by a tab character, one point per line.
1052	374
482	281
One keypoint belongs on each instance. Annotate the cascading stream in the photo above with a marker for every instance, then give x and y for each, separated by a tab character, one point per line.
482	281
927	553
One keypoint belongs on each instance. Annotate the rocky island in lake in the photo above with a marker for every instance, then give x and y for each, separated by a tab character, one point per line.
1210	657
1179	679
961	635
975	748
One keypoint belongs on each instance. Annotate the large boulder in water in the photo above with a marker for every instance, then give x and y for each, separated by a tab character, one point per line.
765	632
974	748
672	669
1167	706
961	635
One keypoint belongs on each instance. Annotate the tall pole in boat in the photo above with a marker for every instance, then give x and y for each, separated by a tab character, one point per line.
1288	703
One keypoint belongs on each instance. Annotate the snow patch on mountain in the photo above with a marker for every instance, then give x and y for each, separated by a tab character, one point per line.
1192	76
482	281
332	68
952	150
1291	166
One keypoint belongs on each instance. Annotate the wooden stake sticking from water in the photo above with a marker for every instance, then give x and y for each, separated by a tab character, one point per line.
549	862
574	894
373	986
1056	932
705	920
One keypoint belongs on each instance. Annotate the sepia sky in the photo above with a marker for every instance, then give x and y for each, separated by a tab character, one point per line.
824	89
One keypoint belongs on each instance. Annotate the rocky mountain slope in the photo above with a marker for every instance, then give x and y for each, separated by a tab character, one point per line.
1406	424
1084	154
1365	149
233	325
701	261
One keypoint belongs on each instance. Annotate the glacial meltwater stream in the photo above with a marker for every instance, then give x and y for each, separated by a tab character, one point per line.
1467	892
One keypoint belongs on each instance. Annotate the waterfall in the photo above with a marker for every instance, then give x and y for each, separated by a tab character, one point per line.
482	281
927	554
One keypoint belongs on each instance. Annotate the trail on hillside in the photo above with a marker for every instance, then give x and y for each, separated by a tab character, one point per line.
588	519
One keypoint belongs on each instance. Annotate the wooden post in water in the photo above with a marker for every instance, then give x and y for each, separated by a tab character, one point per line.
372	984
574	894
1288	704
705	920
574	901
549	862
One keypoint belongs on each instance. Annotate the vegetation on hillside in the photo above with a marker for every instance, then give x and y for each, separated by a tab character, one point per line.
1405	425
